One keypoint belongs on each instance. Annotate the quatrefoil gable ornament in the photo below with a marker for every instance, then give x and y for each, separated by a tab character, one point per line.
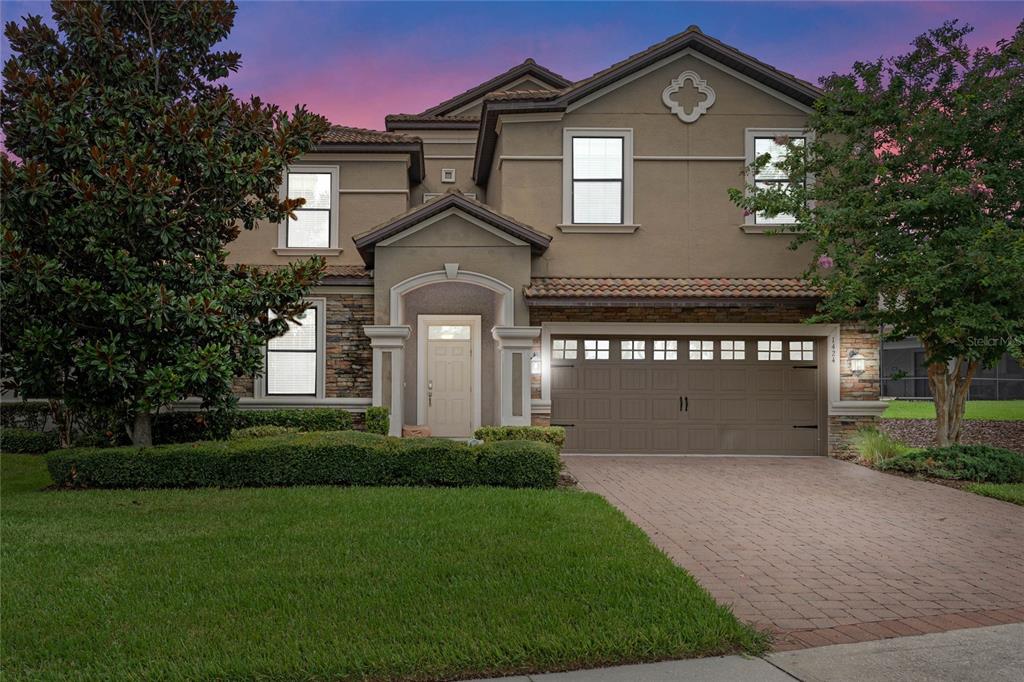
702	87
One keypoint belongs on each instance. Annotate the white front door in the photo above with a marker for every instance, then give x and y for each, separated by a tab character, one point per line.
449	380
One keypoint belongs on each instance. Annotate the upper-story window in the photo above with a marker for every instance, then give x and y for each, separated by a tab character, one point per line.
315	225
773	142
598	177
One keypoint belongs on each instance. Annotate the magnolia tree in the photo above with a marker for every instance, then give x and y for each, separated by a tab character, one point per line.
130	168
914	182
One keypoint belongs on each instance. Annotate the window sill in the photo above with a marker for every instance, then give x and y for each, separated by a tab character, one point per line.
293	251
772	229
598	228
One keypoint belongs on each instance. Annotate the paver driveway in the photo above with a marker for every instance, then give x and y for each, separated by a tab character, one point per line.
823	551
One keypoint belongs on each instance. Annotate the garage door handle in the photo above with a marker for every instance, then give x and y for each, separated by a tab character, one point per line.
684	404
561	424
810	426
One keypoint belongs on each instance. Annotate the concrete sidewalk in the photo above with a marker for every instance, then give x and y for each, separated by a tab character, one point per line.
992	654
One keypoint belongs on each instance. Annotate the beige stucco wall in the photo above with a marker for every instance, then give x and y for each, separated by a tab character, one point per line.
450	240
688	226
357	212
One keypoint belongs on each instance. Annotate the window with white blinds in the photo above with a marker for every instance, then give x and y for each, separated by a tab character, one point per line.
771	175
598	180
292	358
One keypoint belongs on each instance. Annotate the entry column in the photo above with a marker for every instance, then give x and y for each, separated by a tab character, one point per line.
388	344
515	345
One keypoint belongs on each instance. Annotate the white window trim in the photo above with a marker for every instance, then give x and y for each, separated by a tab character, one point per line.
750	224
334	247
260	385
627	225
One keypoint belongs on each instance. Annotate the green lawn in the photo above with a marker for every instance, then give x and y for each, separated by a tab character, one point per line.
1008	492
1000	410
334	583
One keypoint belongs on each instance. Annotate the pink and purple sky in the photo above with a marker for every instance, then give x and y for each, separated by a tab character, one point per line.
354	62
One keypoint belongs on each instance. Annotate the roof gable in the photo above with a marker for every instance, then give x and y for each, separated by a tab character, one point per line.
491	221
529	71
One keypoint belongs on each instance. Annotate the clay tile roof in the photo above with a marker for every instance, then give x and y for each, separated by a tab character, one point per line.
527	67
346	272
349	135
427	117
666	287
512	95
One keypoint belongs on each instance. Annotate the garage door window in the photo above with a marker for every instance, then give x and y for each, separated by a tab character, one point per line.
633	350
563	349
769	350
595	349
734	350
702	350
801	350
665	349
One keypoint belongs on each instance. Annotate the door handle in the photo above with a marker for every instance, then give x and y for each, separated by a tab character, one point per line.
686	403
430	394
680	403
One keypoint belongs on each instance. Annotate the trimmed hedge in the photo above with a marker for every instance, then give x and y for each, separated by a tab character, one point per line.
187	427
980	463
30	416
554	435
263	431
377	420
27	441
315	458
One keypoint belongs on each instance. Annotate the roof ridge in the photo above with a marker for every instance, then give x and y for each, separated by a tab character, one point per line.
526	65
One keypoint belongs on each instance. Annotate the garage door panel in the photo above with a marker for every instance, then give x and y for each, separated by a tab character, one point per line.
665	378
634	379
634	440
733	378
563	378
768	410
665	408
596	408
735	406
702	439
596	378
634	409
701	379
769	379
734	409
801	411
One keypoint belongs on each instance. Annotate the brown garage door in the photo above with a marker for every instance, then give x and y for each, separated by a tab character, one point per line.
720	395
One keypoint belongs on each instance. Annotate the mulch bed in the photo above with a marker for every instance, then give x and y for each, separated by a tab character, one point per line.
920	433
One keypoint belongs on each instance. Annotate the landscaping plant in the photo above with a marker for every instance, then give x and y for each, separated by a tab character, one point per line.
555	435
914	203
129	167
377	420
17	439
874	446
979	463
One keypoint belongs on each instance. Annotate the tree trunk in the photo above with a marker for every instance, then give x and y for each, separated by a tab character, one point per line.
950	383
62	419
142	430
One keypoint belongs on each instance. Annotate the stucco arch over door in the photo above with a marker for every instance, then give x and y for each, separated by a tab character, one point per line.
506	294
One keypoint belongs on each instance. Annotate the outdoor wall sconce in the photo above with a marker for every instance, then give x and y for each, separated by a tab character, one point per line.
857	362
535	364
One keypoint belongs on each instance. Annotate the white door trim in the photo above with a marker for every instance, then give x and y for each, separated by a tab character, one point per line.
422	322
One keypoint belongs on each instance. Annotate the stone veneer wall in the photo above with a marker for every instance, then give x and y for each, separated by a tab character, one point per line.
852	336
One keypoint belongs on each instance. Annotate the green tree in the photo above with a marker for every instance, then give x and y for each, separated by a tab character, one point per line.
130	170
913	200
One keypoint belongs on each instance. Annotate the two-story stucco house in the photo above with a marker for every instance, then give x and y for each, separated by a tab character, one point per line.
547	251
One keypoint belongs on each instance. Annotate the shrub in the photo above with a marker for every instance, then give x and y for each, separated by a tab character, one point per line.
875	446
555	435
377	420
518	464
30	416
187	427
979	463
264	431
317	458
27	441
